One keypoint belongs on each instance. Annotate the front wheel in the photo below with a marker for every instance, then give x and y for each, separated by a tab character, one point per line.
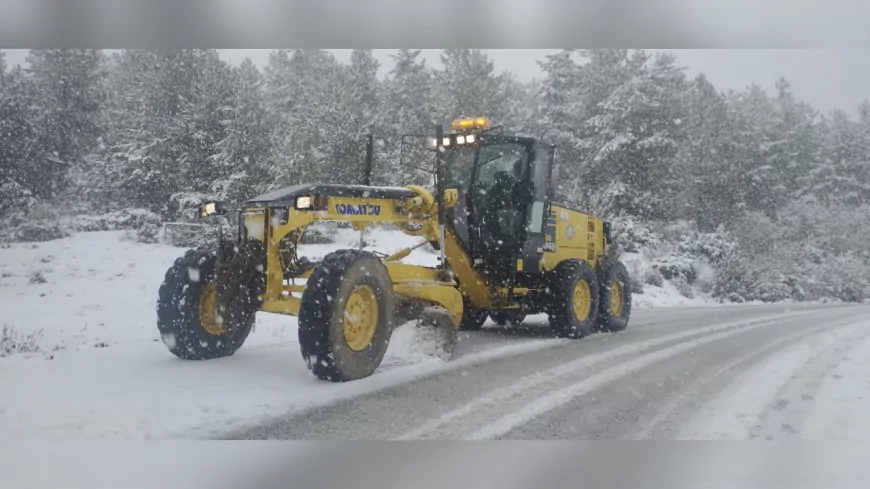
187	317
346	316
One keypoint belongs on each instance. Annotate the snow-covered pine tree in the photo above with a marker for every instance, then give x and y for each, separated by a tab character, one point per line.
142	168
408	99
861	166
243	154
661	134
156	137
519	109
204	121
631	130
300	93
355	110
19	180
468	86
703	158
123	117
409	93
66	112
837	179
755	177
559	117
797	150
278	98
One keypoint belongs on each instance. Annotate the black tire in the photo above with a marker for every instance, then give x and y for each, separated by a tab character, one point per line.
563	320
321	315
610	271
472	318
508	317
178	311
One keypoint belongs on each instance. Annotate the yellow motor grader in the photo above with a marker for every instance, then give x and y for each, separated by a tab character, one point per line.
506	250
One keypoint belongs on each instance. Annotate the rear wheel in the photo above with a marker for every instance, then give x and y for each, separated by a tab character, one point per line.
615	308
574	300
346	316
508	317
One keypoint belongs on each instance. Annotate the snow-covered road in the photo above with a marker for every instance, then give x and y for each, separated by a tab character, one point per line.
738	373
813	385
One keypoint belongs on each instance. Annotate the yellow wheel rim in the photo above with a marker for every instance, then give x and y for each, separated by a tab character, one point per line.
207	316
360	317
616	298
582	300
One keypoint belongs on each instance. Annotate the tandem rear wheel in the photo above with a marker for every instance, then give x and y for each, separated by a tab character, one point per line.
574	299
615	296
585	300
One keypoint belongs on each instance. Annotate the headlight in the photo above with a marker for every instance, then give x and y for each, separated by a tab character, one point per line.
469	139
445	142
303	202
460	139
214	207
208	209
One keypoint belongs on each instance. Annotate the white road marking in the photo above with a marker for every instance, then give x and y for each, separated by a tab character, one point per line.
499	396
563	396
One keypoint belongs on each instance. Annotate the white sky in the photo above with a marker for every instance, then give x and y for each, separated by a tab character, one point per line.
827	79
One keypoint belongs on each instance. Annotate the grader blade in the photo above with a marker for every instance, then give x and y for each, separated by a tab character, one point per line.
435	334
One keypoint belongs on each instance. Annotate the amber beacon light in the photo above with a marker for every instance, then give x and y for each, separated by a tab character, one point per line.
471	124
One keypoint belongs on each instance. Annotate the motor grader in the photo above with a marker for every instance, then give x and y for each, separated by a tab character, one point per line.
506	249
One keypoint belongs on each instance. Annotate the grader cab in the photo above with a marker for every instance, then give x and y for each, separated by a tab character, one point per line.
506	250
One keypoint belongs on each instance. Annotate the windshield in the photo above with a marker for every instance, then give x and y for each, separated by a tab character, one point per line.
459	162
506	159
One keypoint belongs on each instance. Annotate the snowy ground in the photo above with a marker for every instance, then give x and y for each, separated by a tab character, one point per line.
813	390
88	303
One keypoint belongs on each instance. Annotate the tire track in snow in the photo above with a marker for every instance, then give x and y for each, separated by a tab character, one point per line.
688	399
784	416
491	405
558	398
751	405
841	408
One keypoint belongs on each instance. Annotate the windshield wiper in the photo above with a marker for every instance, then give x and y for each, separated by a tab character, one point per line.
490	160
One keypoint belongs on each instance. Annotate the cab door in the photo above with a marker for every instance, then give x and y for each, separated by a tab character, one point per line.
499	197
538	207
